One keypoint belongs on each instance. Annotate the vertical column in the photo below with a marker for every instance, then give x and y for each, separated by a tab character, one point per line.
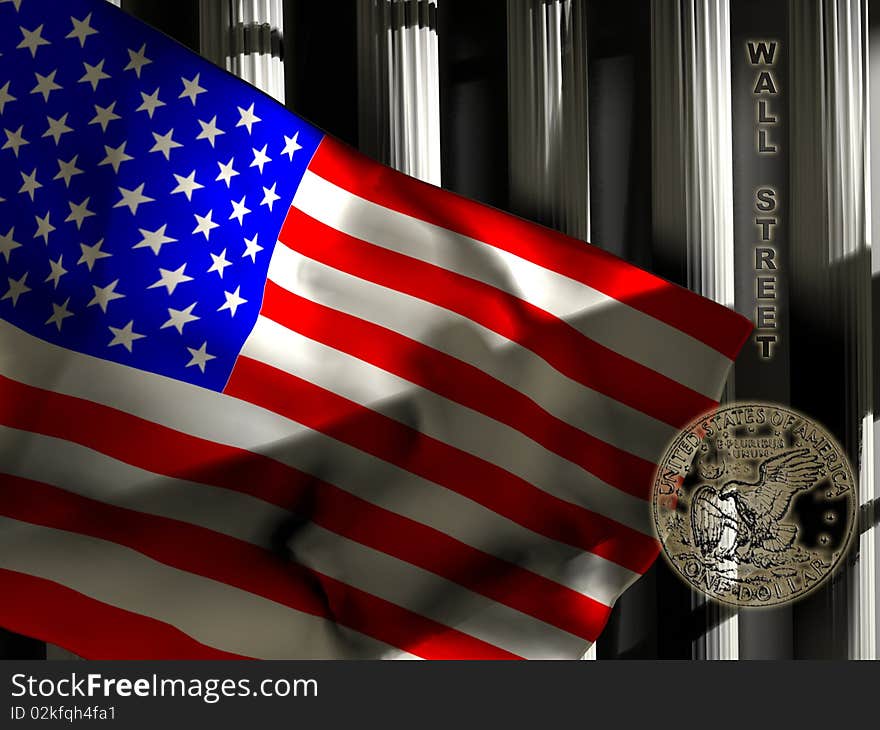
548	129
548	109
399	85
246	37
693	185
762	163
693	167
831	282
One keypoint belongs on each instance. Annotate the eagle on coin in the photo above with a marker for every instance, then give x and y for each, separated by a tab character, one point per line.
745	516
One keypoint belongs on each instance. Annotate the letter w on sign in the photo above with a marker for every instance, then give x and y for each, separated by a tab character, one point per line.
261	396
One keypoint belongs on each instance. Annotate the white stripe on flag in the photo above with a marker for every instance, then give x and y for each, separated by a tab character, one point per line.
612	323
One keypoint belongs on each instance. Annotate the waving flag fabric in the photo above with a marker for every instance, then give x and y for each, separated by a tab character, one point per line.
261	396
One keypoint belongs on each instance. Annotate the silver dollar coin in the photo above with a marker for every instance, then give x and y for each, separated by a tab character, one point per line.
754	504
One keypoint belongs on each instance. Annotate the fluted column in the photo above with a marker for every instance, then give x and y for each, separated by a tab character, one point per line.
693	167
246	38
548	110
831	269
399	85
693	184
548	127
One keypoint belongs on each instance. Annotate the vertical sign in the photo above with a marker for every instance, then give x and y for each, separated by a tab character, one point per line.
762	56
759	75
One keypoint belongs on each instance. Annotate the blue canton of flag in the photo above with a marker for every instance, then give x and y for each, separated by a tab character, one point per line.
141	194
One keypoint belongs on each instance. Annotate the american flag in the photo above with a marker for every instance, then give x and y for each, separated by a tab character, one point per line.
263	397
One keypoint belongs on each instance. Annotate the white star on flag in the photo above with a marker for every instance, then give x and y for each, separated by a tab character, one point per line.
150	103
154	240
78	213
5	96
57	127
124	336
46	85
260	158
252	248
270	196
94	74
132	199
178	318
205	225
32	39
14	140
17	287
164	143
115	156
291	145
200	357
81	29
29	184
104	295
187	185
8	244
44	227
105	115
57	270
248	118
239	210
137	60
226	172
191	89
66	170
220	263
210	131
60	312
171	279
233	301
90	254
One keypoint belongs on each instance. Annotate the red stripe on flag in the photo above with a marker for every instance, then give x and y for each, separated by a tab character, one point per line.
91	629
716	326
460	382
479	480
161	450
554	340
242	565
